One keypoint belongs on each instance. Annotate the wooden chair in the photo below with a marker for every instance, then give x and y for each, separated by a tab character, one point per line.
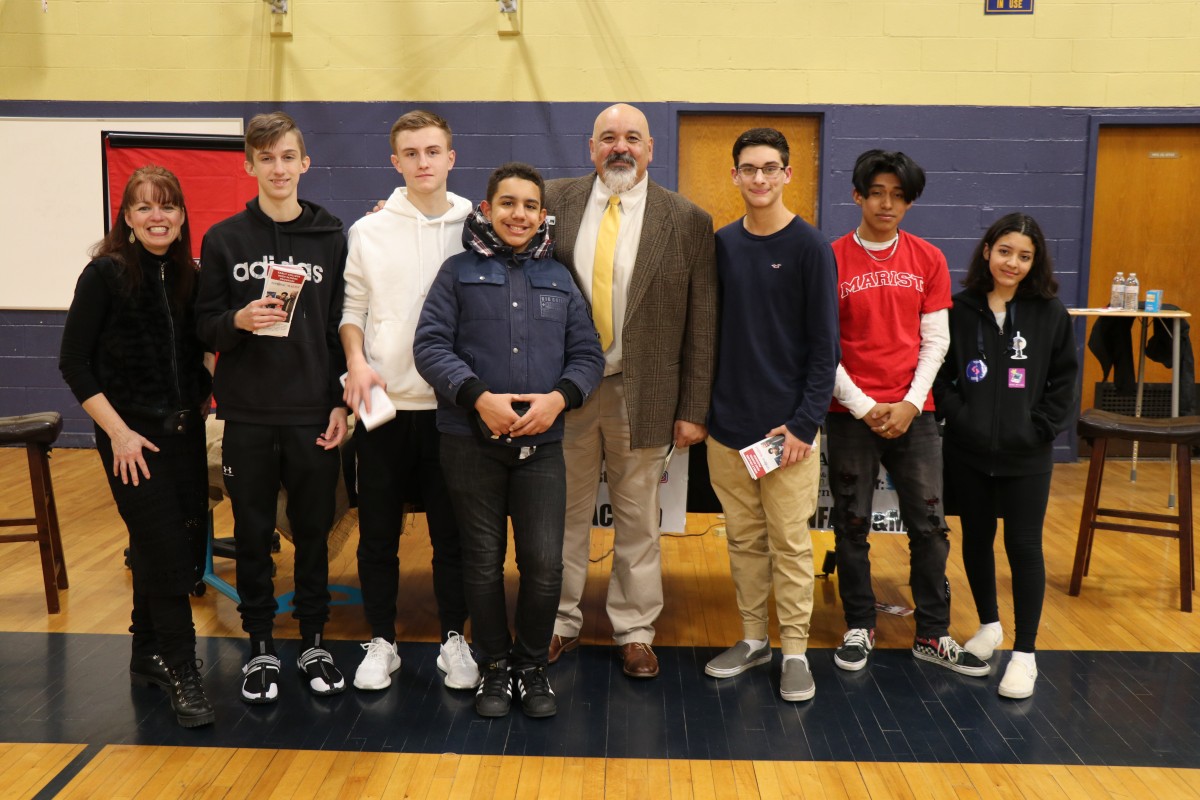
1097	427
38	432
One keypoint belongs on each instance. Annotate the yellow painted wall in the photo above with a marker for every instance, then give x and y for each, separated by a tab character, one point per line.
936	52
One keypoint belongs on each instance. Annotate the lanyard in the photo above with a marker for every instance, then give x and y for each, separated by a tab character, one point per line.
1010	321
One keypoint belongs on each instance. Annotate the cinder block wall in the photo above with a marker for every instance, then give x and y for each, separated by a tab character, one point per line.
997	109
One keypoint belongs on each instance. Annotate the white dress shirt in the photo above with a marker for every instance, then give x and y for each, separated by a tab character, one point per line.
633	211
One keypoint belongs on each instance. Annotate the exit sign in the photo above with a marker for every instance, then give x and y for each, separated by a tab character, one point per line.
1008	6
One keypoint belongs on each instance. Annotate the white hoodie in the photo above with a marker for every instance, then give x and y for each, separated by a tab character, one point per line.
393	258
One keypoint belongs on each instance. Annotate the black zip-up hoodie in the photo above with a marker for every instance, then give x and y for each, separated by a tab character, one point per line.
1005	424
270	380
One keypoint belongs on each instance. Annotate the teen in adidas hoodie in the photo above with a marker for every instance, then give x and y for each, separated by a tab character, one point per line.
279	396
292	380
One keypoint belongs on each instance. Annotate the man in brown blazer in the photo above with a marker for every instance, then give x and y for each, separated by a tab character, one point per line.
644	258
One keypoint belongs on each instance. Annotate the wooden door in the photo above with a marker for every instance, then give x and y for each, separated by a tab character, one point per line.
1147	181
706	157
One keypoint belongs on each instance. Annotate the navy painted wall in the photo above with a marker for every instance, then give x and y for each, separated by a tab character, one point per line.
981	162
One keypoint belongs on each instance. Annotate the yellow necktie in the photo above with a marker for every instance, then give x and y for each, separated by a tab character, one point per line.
602	271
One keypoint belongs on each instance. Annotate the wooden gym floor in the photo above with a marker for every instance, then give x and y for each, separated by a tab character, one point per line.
1116	712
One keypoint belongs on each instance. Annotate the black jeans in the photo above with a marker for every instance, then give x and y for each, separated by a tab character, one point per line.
257	460
1020	500
914	462
397	464
166	516
488	483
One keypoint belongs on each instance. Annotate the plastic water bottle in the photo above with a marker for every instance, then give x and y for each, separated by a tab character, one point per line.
1116	298
1131	292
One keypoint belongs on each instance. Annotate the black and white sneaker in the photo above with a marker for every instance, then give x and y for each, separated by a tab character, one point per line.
856	645
316	666
260	680
945	652
537	698
494	696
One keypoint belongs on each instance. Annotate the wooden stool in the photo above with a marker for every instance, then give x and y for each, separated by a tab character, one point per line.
1098	427
37	432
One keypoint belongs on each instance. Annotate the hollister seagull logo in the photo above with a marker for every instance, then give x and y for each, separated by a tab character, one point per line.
776	266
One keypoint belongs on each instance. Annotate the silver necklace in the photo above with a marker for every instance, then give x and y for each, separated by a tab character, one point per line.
895	247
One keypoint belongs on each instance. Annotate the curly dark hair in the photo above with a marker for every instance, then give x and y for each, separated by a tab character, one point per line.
515	169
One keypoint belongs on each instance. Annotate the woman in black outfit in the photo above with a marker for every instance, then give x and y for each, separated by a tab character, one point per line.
1005	391
131	357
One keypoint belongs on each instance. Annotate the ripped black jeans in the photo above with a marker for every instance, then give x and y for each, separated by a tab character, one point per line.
914	463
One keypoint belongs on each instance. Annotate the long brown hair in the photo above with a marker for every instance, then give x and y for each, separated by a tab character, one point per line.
162	187
1039	282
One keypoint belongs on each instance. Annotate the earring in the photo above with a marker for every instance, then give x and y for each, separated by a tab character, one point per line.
132	238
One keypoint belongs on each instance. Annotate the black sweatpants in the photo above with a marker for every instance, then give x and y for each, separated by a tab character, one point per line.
257	460
397	464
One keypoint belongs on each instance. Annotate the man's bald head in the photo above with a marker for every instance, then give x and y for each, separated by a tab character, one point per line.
621	146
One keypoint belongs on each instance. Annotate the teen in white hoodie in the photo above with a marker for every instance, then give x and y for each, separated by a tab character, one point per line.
393	258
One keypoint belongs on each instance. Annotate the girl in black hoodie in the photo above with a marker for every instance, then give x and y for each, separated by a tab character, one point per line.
1005	391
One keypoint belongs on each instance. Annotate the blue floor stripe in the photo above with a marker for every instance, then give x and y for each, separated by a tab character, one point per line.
68	773
1094	708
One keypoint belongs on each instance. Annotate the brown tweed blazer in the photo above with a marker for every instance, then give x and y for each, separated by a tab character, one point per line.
670	326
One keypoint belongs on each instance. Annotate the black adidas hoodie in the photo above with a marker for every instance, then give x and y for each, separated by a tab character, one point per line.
273	380
1005	423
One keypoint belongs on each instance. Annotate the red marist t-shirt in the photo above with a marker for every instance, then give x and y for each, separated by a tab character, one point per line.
880	302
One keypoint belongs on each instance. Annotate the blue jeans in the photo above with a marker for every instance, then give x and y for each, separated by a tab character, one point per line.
914	462
489	483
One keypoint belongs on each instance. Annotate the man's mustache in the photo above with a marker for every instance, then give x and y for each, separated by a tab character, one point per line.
620	158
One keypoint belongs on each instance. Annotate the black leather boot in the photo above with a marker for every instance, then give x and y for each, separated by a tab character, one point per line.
188	700
149	671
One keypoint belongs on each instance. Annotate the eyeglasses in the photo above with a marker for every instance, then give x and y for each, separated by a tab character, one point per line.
769	171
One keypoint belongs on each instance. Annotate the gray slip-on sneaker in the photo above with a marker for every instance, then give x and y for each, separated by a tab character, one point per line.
796	682
737	660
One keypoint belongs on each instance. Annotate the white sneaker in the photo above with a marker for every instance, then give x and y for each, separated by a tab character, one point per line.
1018	680
455	659
375	671
984	642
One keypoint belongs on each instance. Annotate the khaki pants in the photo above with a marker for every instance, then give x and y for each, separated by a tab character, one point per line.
766	525
600	430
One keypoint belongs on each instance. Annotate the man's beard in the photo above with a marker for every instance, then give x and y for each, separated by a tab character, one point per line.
618	180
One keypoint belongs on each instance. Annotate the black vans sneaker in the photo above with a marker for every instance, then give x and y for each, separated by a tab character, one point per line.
945	652
856	646
494	696
537	698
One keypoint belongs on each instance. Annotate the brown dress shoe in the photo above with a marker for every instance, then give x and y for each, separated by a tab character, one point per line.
638	660
560	645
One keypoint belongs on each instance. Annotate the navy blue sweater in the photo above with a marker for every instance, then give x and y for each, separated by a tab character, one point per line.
778	344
